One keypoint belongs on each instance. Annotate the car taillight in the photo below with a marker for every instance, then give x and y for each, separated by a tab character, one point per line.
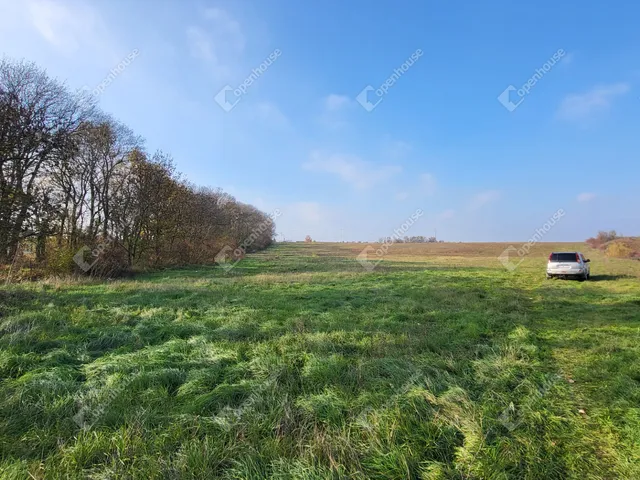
550	256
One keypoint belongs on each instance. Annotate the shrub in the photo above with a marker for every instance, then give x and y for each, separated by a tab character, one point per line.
60	262
600	240
111	262
619	250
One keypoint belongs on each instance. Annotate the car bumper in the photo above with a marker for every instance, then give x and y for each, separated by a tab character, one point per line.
566	272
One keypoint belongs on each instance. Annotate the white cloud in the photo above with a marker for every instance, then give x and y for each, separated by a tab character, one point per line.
428	184
58	24
54	22
586	197
351	169
483	198
583	106
334	107
270	114
68	26
200	44
398	149
218	41
335	102
226	27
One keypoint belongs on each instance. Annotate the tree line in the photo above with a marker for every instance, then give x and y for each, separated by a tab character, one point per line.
407	239
77	184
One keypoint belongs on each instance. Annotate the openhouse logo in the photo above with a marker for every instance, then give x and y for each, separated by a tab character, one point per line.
370	257
369	93
113	74
511	261
229	97
505	98
228	257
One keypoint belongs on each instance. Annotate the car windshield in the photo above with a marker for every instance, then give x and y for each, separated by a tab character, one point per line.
564	257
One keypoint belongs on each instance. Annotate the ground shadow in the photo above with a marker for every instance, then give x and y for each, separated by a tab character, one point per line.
605	278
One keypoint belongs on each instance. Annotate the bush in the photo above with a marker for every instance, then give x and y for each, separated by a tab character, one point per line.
619	250
111	261
60	262
600	240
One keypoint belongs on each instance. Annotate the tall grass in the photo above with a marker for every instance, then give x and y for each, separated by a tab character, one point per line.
301	364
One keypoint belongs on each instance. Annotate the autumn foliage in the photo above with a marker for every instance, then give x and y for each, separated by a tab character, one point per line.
79	189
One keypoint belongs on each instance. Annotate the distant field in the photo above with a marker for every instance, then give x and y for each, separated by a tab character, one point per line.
301	364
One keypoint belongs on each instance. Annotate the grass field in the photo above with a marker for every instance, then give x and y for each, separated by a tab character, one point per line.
299	363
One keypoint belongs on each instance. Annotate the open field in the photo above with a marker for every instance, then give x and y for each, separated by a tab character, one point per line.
301	364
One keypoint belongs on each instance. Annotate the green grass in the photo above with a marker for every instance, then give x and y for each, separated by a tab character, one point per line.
299	364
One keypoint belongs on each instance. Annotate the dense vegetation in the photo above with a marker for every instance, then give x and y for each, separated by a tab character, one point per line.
301	364
72	176
616	246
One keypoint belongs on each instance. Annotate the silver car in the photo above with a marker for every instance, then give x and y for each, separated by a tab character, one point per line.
568	264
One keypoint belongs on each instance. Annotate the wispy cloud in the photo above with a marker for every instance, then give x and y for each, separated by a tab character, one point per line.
351	169
483	198
226	27
334	110
586	197
55	23
69	27
583	106
568	58
218	41
200	44
270	114
426	185
336	102
397	149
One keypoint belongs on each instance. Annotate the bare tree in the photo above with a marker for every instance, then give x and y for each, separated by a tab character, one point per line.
38	119
74	176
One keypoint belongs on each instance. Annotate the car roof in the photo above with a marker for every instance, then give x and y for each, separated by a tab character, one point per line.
565	252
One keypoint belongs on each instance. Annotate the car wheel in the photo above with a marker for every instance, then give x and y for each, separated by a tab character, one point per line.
549	277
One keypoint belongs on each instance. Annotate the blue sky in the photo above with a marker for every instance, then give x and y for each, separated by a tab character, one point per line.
439	140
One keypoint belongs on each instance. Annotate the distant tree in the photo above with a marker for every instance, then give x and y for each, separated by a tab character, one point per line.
308	239
602	238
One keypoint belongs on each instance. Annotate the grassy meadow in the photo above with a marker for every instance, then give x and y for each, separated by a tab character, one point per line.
301	364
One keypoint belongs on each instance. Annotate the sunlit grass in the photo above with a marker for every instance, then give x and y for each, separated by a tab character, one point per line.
301	364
